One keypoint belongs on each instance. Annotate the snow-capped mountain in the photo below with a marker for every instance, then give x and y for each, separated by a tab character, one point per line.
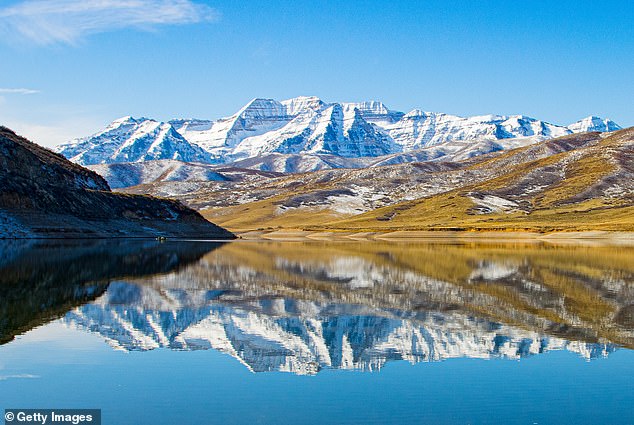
133	140
300	125
419	129
222	136
308	126
593	123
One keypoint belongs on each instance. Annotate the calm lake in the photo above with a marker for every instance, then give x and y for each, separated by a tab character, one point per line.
319	332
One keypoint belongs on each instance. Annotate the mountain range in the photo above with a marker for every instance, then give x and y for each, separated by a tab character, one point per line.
306	164
308	134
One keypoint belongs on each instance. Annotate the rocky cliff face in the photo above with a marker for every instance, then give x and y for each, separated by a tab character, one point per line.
44	195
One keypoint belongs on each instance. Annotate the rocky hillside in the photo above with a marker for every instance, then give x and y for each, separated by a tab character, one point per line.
589	185
44	195
169	170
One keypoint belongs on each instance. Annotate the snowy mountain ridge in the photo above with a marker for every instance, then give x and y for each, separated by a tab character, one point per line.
133	140
307	126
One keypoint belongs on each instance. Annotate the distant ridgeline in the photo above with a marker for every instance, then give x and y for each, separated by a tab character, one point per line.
42	194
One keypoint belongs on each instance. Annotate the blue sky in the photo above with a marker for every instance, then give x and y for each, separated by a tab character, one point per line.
69	67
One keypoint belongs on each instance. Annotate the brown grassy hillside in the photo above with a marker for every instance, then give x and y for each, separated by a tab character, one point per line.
577	182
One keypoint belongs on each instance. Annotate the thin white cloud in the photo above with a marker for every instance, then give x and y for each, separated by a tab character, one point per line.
48	22
21	376
18	91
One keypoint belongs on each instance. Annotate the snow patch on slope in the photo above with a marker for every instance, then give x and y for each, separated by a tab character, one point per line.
487	204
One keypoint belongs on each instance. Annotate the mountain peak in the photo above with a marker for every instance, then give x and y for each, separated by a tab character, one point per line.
416	113
371	106
307	99
129	119
594	123
297	105
130	140
259	103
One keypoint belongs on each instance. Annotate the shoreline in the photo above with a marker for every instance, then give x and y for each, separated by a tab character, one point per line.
578	237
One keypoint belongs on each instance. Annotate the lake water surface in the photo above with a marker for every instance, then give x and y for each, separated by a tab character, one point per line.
319	332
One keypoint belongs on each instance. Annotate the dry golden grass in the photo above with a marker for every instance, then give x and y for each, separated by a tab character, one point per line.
443	213
580	176
265	214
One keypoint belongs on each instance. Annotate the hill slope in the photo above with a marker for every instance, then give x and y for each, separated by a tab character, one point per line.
44	195
588	188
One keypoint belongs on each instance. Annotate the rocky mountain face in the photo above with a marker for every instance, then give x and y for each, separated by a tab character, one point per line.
308	130
44	195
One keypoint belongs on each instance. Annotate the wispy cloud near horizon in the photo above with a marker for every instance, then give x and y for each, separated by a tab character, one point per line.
70	21
18	91
20	376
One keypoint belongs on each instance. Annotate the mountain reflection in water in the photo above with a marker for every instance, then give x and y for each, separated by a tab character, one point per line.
41	280
304	306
